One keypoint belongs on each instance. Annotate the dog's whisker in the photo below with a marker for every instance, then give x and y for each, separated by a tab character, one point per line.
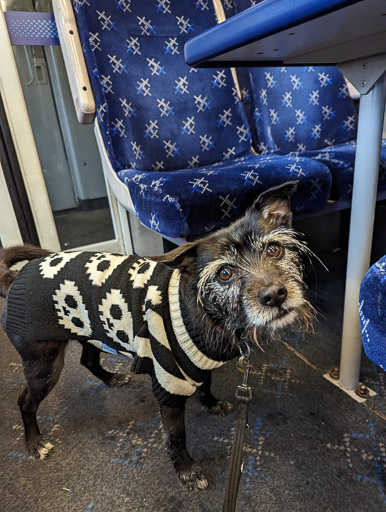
255	339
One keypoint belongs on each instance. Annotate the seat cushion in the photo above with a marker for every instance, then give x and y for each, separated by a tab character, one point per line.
372	312
155	112
189	202
340	159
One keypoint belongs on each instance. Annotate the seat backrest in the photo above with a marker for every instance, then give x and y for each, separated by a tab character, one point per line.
155	112
295	108
301	108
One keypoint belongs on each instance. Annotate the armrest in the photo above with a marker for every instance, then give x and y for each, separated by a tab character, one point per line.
74	60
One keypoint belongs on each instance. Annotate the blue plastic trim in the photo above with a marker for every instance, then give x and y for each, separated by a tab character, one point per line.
257	22
31	28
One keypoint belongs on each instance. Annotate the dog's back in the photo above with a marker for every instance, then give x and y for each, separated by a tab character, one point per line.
11	256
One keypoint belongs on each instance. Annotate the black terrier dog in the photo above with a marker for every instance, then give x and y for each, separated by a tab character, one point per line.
179	314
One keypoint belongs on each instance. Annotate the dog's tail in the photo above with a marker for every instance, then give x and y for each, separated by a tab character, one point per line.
11	256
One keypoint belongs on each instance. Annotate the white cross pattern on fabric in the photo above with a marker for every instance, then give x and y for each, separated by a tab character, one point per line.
163	6
300	116
229	153
107	84
243	133
78	4
170	148
316	131
127	108
123	5
94	41
206	142
184	25
349	123
270	80
313	98
287	99
218	79
296	82
152	130
137	150
181	85
165	107
105	21
188	125
263	96
119	127
157	184
143	87
200	185
274	115
225	118
117	64
202	5
155	67
146	26
201	103
324	79
328	112
230	206
344	91
154	222
133	45
251	176
158	166
171	46
295	169
290	134
101	111
193	162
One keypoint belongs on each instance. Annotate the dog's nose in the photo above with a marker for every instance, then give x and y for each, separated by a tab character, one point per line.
273	295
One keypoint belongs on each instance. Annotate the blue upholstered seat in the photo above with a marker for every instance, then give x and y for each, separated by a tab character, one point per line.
305	111
372	312
193	201
178	137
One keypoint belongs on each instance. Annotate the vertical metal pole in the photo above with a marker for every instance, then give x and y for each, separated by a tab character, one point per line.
371	112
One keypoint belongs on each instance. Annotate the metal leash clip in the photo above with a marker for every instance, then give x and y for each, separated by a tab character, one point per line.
243	364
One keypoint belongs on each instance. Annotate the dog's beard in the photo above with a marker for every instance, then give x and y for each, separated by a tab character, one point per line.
271	320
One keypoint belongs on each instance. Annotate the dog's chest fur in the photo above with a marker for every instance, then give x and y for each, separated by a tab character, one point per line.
123	305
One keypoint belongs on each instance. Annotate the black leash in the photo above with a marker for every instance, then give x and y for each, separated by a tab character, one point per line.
244	396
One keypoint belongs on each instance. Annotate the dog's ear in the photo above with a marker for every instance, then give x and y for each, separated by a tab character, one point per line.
274	205
181	257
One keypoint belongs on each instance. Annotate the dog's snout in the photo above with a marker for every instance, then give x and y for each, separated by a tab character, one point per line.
273	295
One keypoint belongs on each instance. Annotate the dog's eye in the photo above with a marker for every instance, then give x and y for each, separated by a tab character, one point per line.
273	250
225	273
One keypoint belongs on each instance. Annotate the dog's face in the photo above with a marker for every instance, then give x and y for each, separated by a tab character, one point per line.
248	276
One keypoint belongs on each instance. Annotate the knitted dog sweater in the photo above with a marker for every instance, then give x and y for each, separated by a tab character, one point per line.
122	305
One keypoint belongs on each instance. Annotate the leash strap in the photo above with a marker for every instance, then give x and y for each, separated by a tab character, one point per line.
243	396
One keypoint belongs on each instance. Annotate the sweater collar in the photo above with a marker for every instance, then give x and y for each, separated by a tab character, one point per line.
187	335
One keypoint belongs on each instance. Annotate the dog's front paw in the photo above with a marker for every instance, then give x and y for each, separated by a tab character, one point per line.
39	449
118	379
193	478
221	408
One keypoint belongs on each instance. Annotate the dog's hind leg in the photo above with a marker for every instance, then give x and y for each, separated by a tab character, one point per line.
188	471
42	364
214	406
90	359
